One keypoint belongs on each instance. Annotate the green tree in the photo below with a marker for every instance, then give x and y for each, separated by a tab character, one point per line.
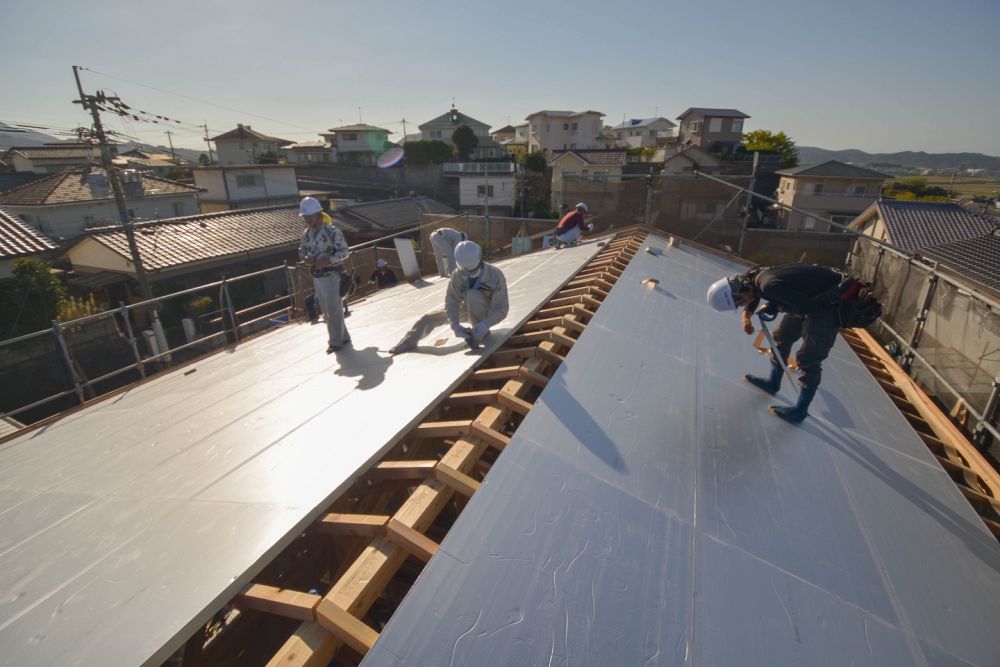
465	141
203	160
765	140
535	162
267	158
426	152
31	299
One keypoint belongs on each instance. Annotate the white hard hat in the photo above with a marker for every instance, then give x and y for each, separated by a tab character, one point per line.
583	206
309	206
720	295
380	262
467	255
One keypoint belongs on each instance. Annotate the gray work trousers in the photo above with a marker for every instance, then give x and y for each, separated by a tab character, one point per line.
328	296
444	255
818	333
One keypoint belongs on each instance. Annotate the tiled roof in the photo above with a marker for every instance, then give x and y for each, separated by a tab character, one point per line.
918	225
244	132
71	185
18	238
359	127
308	145
610	156
389	214
167	244
833	169
976	259
562	114
51	152
640	122
715	113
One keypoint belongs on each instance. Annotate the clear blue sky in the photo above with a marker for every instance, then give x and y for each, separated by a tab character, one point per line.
881	76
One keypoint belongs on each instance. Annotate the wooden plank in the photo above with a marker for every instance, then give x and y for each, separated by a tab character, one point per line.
563	339
442	429
479	397
592	302
491	436
504	355
360	525
349	628
401	470
533	377
457	481
515	403
546	323
534	337
278	601
570	322
415	542
550	356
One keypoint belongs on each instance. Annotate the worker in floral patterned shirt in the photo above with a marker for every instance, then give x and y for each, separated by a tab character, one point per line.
324	250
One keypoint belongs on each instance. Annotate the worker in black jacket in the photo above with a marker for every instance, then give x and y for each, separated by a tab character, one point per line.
807	294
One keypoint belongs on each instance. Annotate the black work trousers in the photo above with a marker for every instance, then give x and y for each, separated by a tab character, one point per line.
818	332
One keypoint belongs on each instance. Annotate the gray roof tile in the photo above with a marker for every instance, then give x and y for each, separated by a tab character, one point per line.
71	186
916	225
976	259
833	169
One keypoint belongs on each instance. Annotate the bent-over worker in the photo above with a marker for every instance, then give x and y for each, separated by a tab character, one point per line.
443	242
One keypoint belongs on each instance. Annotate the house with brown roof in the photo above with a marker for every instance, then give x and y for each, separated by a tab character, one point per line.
65	204
245	186
244	145
711	129
357	144
594	164
50	158
19	240
834	190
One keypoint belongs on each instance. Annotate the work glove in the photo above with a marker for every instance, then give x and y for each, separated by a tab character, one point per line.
481	331
768	312
461	332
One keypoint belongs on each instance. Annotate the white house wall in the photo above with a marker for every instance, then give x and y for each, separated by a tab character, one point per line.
503	190
269	184
243	151
548	132
70	220
90	254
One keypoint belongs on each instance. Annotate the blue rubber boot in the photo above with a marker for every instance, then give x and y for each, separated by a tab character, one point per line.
797	412
770	384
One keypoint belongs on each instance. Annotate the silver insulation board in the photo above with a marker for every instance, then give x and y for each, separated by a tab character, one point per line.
127	524
649	511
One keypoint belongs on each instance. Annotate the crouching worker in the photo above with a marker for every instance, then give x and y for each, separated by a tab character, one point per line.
482	288
807	294
571	227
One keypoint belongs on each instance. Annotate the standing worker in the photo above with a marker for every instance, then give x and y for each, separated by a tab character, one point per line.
483	289
808	295
443	242
324	249
382	276
571	227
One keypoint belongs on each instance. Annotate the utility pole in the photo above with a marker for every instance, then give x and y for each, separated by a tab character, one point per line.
89	103
211	158
171	140
404	131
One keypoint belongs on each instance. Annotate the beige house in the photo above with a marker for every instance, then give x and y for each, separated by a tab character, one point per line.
711	129
310	152
50	158
595	164
552	131
644	132
442	127
246	186
357	144
833	190
687	161
245	145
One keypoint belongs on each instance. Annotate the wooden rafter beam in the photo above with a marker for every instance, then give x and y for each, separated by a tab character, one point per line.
278	601
442	429
457	481
401	470
359	525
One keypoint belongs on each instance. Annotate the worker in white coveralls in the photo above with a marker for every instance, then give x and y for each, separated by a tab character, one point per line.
443	242
324	249
483	289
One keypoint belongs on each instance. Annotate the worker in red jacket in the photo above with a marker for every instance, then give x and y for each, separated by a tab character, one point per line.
571	227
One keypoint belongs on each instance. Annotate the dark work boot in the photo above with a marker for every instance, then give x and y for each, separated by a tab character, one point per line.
770	384
797	412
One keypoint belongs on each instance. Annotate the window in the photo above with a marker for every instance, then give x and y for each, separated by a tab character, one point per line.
694	126
350	136
818	189
737	125
808	223
178	208
715	125
652	133
565	126
435	134
485	190
860	190
246	180
575	126
242	146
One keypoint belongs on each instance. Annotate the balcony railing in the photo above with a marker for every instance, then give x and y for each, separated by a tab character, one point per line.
479	167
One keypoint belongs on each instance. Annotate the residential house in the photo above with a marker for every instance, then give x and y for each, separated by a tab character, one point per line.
552	131
65	204
245	145
19	240
644	132
913	226
711	129
374	219
975	261
157	164
442	127
505	133
357	144
192	250
50	158
310	152
247	186
485	184
833	190
593	165
516	144
688	160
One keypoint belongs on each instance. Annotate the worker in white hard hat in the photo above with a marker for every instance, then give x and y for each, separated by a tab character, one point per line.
571	227
324	249
482	288
382	276
808	295
443	242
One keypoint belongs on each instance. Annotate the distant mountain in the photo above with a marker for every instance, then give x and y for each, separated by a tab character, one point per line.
19	136
909	159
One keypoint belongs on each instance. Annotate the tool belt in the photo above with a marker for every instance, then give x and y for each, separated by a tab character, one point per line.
327	270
